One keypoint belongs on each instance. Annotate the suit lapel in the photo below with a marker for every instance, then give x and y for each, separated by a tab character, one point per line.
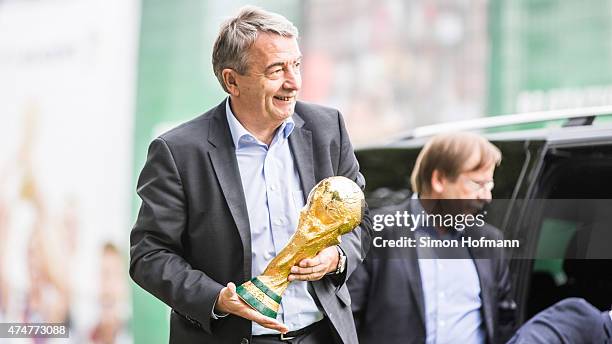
484	271
300	142
416	285
414	275
225	165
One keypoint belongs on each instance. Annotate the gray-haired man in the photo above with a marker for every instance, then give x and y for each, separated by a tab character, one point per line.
221	194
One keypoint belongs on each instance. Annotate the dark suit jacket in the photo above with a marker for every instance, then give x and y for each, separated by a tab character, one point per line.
387	294
192	233
570	321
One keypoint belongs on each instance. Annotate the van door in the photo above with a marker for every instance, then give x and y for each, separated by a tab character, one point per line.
565	224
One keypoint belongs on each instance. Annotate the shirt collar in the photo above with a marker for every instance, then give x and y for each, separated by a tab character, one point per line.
417	208
239	132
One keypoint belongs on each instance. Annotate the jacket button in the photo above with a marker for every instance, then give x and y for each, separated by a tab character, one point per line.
244	341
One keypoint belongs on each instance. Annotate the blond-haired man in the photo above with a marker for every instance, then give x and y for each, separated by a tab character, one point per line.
422	299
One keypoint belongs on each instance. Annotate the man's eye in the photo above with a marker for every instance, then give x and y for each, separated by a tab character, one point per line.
276	71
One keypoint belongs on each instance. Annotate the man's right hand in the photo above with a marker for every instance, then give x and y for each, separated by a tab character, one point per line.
229	302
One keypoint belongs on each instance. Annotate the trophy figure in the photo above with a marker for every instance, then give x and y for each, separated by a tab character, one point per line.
335	207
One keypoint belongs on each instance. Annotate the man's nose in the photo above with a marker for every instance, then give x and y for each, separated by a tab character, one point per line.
293	79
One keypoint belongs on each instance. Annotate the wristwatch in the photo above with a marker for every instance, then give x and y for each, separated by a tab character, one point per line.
341	261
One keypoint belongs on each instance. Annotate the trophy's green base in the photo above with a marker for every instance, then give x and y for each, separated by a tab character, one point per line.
257	295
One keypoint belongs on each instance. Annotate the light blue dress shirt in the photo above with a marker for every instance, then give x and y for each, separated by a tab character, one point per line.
274	197
451	288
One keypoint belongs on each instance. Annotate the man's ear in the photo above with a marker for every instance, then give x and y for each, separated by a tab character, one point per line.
231	81
437	181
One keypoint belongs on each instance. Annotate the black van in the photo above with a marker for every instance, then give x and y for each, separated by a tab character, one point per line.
547	157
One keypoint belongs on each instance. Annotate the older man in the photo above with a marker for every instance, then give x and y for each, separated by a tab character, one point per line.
221	194
420	299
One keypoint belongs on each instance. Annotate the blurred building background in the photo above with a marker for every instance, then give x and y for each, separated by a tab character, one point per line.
86	85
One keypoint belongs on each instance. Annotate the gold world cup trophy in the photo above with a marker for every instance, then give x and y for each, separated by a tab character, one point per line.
335	207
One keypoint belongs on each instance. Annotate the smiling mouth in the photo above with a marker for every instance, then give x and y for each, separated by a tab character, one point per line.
285	99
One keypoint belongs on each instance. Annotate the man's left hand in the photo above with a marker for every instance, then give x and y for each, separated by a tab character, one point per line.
313	269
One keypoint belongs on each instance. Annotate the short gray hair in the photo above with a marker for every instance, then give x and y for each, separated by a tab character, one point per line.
238	34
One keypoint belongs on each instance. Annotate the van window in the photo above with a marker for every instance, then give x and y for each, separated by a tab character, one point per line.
387	171
573	229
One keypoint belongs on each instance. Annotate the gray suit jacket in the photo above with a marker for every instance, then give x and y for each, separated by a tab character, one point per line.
192	233
387	294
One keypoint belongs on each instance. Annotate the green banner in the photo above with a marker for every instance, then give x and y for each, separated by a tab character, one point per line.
549	54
